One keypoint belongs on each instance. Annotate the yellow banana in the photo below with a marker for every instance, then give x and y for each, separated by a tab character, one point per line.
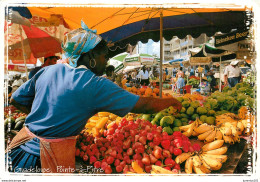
194	133
204	169
246	123
90	125
213	163
160	170
189	165
185	128
182	157
204	135
190	130
213	145
220	158
202	128
196	161
218	135
197	170
210	137
235	131
228	131
240	126
103	114
236	138
228	139
218	151
205	165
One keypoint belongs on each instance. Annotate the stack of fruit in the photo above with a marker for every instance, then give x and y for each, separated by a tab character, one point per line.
98	123
231	99
166	119
229	128
209	158
129	141
15	121
194	109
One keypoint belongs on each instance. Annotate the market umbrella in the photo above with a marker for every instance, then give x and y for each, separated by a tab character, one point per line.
207	54
130	23
118	61
139	59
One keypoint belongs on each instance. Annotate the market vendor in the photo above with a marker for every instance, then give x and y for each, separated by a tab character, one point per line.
62	97
232	74
49	59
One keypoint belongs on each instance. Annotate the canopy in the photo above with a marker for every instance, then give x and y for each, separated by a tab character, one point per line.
207	54
118	61
138	59
129	24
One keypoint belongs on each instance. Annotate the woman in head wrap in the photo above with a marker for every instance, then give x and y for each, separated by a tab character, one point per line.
62	97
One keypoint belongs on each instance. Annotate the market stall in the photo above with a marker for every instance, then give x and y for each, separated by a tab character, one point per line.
205	137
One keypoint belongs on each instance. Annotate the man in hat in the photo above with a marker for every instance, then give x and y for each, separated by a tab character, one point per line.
232	74
49	59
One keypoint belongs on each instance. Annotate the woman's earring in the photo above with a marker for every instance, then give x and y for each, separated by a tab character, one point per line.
92	66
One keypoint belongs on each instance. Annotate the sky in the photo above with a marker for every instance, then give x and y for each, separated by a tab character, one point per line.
150	47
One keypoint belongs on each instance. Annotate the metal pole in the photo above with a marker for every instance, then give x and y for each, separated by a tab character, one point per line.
220	75
23	52
161	51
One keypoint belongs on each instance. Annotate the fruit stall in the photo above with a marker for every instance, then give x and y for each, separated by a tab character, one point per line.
209	135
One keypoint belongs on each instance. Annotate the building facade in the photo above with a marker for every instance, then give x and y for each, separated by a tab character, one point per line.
179	48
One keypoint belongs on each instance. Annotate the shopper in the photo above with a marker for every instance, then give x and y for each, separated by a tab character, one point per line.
180	81
49	59
59	100
232	74
211	79
144	76
17	82
110	73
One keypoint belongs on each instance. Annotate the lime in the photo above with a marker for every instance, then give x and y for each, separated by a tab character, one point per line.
176	129
177	123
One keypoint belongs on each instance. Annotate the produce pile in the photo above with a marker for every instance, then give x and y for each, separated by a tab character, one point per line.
147	92
14	121
229	128
129	141
194	82
166	119
231	99
210	158
97	124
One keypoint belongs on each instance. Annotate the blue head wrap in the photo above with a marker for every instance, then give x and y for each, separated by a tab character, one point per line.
79	41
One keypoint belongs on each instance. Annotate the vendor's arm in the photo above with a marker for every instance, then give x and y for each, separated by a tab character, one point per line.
23	97
225	80
149	105
23	108
225	76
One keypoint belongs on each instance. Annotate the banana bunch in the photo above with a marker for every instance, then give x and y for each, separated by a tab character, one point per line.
229	129
159	170
227	117
188	130
96	124
210	158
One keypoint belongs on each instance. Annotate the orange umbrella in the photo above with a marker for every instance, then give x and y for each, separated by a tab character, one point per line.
124	24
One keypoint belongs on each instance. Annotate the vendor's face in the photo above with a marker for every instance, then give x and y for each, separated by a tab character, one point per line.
101	64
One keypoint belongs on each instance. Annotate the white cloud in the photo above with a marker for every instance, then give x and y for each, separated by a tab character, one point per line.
150	47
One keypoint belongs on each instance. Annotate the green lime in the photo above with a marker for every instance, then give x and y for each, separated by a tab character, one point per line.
176	129
177	123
